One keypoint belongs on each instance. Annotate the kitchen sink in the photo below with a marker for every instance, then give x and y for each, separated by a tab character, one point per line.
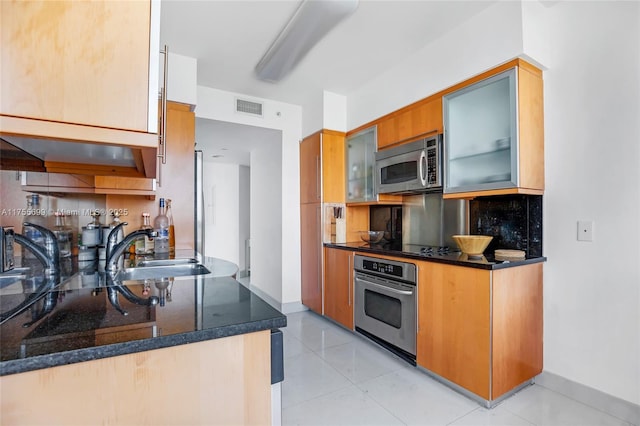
166	262
156	271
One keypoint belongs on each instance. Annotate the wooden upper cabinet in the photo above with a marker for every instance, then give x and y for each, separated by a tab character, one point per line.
501	151
310	183
76	62
322	168
422	118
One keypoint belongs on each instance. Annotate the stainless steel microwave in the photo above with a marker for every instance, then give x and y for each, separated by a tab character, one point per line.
410	168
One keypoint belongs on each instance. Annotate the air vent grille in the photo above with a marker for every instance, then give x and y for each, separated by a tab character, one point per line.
249	107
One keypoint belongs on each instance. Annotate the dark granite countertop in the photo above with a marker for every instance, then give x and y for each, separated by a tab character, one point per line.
452	258
76	318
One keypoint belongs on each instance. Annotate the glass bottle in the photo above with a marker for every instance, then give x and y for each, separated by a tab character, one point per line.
92	233
172	230
161	226
144	245
63	234
34	214
115	222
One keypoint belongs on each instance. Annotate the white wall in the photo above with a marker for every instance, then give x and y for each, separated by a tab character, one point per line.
220	105
267	225
592	157
334	111
222	211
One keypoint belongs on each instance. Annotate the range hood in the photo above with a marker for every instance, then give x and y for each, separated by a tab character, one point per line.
74	148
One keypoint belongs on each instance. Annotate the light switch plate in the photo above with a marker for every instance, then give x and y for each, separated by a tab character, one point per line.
585	230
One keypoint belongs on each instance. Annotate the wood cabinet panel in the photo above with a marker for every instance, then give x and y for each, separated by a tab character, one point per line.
481	329
177	180
127	389
531	129
422	118
71	62
310	183
454	324
311	251
333	172
517	327
338	286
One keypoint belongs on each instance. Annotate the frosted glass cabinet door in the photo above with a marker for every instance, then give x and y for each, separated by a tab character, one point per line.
481	135
360	153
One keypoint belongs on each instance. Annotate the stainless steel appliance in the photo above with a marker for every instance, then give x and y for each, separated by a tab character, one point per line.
385	303
6	252
430	220
199	202
412	167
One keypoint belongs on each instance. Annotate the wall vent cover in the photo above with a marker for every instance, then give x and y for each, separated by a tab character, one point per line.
249	107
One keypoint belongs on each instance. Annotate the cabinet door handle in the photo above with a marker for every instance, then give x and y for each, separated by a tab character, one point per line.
350	278
162	134
319	242
317	177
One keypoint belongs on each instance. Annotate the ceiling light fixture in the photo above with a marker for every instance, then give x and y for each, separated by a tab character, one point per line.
312	20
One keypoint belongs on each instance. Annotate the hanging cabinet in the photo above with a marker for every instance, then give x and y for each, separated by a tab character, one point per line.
73	81
494	134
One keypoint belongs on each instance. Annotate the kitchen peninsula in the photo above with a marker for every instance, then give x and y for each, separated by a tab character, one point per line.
201	355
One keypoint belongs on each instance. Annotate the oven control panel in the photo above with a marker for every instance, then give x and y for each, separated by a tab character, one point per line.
387	268
382	268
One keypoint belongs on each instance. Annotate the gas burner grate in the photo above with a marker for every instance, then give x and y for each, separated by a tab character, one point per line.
434	250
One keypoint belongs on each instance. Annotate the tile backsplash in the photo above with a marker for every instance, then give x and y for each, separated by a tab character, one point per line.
514	221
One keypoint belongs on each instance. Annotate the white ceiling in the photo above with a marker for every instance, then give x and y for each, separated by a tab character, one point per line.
228	38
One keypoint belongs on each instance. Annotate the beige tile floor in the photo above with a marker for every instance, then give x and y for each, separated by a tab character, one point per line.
335	377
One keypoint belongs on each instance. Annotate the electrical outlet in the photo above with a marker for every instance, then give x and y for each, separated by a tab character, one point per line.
585	230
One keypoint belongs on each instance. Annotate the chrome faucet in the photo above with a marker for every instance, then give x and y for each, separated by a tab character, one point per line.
115	249
49	255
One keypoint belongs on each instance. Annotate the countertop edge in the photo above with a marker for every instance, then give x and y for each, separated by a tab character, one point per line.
107	351
434	259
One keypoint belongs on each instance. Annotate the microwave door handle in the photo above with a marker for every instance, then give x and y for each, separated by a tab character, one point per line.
423	168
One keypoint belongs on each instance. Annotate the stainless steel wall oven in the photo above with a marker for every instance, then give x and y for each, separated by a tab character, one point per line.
386	303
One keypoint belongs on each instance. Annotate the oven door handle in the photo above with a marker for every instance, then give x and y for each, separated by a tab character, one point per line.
390	289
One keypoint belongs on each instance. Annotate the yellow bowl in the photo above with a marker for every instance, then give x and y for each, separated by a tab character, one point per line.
472	245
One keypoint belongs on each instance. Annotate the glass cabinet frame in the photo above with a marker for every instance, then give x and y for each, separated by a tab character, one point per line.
360	151
481	135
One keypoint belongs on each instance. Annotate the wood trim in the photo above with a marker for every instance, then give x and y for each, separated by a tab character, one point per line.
474	194
517	327
33	128
91	169
531	128
216	382
117	182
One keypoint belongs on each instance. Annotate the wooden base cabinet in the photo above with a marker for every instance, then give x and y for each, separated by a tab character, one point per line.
338	286
480	329
223	381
